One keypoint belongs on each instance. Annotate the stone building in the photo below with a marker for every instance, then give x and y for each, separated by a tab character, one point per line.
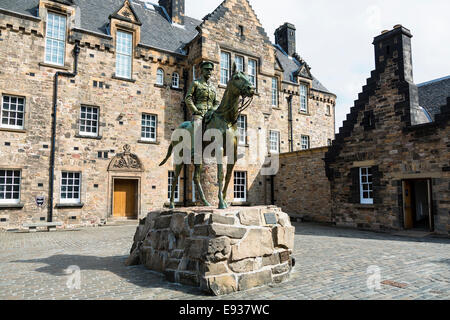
92	91
388	168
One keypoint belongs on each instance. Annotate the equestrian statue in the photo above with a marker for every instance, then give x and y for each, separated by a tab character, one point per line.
209	114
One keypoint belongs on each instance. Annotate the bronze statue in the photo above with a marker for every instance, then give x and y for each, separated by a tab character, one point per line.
201	99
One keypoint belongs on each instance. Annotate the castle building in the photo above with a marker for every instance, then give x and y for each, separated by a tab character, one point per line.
389	167
91	92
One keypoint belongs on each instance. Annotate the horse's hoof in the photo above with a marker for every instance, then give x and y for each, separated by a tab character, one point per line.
207	204
222	205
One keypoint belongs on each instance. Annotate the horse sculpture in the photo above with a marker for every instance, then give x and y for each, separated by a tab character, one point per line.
223	119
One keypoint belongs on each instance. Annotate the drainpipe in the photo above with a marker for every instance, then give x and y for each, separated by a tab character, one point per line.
291	136
185	114
76	52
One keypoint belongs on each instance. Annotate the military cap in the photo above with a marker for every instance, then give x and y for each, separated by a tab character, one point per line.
207	65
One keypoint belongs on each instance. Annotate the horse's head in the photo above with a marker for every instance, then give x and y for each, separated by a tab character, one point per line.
240	82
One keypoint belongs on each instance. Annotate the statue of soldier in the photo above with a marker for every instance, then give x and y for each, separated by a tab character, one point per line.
201	100
201	96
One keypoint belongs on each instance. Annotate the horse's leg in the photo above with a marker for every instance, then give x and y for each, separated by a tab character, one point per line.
230	168
174	185
198	185
222	204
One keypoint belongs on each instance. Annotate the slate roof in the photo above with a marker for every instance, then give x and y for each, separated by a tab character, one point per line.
290	66
433	95
157	31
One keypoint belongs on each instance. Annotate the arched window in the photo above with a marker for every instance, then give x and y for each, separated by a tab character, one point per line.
160	77
175	80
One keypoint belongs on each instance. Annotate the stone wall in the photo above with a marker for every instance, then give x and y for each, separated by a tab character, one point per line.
302	187
219	251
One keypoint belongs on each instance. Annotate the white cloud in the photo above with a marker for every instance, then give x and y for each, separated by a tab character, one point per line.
335	37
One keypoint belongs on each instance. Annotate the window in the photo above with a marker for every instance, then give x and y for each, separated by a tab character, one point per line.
55	39
275	92
175	80
239	63
305	142
252	72
70	187
160	77
148	129
124	54
328	110
241	31
366	185
240	186
274	138
177	190
242	129
329	142
13	110
9	186
89	121
224	68
303	98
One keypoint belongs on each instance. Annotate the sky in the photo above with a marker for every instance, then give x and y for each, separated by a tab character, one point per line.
335	37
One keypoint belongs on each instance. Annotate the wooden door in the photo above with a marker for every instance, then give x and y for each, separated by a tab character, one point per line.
125	198
407	204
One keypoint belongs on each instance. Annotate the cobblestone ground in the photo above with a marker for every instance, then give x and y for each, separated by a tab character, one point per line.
331	263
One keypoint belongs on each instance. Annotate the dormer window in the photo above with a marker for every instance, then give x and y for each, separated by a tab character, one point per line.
175	80
160	77
303	98
124	54
55	39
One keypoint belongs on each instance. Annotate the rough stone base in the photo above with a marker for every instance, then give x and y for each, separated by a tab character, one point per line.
219	251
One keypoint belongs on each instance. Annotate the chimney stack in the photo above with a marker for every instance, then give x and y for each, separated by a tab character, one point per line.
285	38
175	10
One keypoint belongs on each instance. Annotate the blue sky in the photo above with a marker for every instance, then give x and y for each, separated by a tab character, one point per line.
335	37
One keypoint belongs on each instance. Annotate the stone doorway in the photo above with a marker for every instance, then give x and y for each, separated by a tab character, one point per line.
417	205
125	198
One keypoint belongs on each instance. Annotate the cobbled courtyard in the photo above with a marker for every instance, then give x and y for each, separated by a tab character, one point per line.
331	263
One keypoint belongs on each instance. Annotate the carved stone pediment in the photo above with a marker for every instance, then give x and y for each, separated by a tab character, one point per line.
126	161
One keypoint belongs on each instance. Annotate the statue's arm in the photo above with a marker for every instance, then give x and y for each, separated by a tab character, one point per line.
189	100
216	102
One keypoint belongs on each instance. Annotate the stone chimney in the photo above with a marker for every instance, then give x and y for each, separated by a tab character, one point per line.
395	45
175	10
285	38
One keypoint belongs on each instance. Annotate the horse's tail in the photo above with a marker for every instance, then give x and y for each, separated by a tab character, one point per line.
169	154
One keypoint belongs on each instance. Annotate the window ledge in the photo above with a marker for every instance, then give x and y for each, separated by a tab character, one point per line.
176	88
364	206
240	204
160	86
123	79
54	66
276	108
304	113
69	205
149	142
11	205
13	130
88	137
244	145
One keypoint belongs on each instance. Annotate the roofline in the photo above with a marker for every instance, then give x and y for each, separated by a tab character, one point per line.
20	15
433	81
92	33
162	50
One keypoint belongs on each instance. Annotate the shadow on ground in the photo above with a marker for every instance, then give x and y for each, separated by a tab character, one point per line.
137	275
326	230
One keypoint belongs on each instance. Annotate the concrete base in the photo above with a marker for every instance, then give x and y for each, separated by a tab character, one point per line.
219	251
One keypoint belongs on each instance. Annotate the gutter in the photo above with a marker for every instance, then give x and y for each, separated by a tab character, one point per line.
76	52
185	113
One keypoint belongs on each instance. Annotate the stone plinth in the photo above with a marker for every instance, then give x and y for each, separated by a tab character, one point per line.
219	251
